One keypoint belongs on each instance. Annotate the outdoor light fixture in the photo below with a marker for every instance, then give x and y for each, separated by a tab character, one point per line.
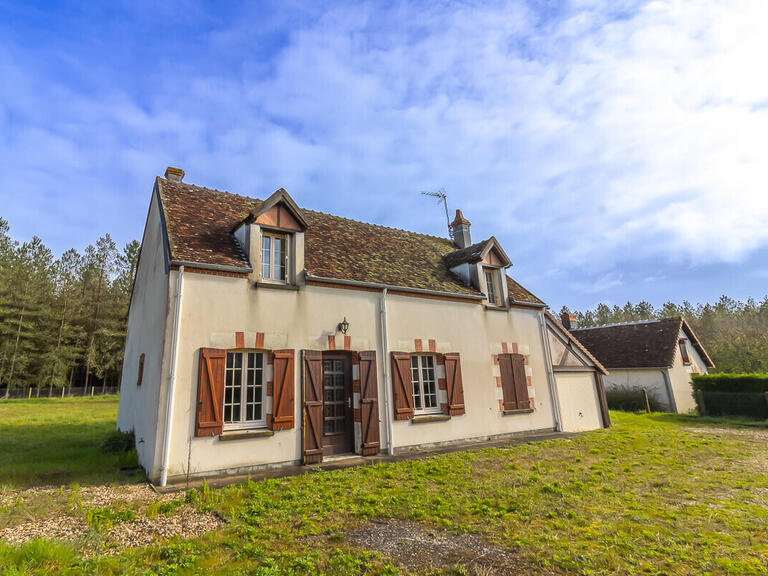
343	326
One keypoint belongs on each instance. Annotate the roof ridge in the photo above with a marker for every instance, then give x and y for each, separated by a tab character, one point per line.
629	323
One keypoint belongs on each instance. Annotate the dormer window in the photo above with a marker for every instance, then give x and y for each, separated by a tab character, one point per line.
492	284
274	256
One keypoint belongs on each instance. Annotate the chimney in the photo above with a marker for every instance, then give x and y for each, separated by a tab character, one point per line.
569	320
460	227
174	174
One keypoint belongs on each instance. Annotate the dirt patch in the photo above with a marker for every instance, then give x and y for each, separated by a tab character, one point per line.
92	496
60	528
418	547
758	434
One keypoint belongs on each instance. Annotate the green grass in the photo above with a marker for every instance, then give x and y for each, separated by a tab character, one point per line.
57	441
652	495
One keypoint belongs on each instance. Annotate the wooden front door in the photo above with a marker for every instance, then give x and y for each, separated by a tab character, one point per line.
338	428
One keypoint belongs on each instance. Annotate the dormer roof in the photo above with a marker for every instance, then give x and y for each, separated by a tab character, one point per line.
278	198
476	253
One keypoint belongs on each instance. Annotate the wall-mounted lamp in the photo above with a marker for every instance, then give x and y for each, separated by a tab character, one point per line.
343	326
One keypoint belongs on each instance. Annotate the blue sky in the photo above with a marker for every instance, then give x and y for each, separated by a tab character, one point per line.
617	149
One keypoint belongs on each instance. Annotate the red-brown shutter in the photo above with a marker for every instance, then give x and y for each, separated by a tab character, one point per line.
402	389
210	392
369	403
514	384
454	384
312	371
282	389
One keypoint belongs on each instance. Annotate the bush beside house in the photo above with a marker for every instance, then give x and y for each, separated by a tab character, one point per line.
732	394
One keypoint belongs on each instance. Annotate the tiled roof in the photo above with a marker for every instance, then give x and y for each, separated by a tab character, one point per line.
200	220
520	294
651	344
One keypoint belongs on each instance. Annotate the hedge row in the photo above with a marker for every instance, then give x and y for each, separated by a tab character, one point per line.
730	382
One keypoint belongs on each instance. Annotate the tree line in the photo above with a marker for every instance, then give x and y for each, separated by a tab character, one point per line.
734	333
63	320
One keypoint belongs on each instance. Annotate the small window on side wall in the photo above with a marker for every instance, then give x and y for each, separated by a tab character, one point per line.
141	370
684	352
274	257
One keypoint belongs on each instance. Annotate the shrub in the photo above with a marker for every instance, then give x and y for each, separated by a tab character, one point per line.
630	400
732	394
731	382
117	442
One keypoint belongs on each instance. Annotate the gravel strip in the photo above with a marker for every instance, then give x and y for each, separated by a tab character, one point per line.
143	531
61	528
417	547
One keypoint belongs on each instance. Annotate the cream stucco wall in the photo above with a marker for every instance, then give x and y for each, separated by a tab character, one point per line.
652	379
215	307
579	401
147	322
680	376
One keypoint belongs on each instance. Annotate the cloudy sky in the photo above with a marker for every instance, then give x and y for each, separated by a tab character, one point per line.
616	148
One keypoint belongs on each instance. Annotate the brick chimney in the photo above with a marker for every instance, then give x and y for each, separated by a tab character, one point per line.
569	320
460	227
174	174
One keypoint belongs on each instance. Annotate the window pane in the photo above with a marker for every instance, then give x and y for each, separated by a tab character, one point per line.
232	384
428	381
266	256
254	387
415	382
491	286
279	258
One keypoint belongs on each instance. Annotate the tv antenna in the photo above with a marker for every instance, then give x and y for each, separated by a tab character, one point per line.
441	196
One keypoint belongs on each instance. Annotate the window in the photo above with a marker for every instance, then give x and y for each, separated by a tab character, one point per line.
244	389
492	287
424	384
274	257
141	370
684	352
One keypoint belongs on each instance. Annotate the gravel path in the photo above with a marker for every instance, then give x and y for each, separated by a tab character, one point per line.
184	521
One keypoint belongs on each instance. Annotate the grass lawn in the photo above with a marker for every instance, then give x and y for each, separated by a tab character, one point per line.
655	494
56	441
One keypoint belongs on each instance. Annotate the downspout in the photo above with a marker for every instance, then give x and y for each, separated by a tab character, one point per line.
668	383
387	377
172	380
550	372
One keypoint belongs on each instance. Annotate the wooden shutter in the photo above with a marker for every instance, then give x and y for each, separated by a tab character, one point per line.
402	389
369	403
514	384
454	384
210	392
140	379
684	352
312	371
282	389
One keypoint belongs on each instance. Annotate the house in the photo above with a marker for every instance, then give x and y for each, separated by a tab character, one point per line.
263	334
658	355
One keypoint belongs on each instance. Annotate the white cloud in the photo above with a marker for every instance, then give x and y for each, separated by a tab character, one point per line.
582	139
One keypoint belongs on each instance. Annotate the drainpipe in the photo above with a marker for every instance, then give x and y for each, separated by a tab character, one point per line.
550	372
387	377
172	380
668	383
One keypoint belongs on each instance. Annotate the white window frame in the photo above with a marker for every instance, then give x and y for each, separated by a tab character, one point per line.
242	423
285	238
417	386
494	286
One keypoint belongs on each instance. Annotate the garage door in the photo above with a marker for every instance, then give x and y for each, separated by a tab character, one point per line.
579	402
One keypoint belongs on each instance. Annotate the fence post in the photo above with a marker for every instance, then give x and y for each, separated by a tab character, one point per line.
702	405
29	393
647	403
92	387
62	391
